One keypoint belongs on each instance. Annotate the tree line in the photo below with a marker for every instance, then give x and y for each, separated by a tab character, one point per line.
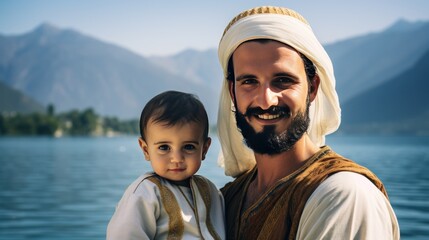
72	123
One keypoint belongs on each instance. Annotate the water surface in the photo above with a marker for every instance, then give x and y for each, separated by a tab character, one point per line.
67	188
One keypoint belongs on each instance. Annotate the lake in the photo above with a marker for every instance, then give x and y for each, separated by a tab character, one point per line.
67	188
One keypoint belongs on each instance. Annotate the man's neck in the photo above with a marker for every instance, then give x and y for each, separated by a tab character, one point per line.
272	168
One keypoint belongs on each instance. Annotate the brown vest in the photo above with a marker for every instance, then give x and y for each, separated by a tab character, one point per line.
277	216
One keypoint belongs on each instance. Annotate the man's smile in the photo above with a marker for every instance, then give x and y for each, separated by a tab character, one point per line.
268	116
273	113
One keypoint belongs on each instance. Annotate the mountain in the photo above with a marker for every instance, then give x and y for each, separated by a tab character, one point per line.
12	100
396	106
377	75
364	62
199	66
72	70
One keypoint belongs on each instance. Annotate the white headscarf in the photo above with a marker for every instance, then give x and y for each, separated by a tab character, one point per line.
289	27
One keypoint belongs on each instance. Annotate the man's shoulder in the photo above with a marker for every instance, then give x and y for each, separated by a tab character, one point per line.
347	187
346	182
333	163
348	199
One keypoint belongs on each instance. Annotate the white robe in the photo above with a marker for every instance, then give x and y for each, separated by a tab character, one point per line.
347	204
141	214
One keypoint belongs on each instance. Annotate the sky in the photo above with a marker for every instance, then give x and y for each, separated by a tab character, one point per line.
161	27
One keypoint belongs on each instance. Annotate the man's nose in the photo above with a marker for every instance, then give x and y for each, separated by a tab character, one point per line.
267	97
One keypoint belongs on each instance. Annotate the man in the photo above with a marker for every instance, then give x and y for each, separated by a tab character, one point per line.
277	104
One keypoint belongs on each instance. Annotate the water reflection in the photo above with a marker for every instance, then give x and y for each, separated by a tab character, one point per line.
67	188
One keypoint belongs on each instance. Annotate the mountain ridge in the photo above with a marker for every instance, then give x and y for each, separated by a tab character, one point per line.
13	101
377	57
72	70
405	104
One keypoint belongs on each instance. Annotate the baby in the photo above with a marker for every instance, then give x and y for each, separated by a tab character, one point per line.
171	201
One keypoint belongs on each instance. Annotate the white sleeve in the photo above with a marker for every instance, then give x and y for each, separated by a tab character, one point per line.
347	206
136	213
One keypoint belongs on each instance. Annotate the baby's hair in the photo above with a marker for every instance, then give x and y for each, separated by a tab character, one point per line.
173	107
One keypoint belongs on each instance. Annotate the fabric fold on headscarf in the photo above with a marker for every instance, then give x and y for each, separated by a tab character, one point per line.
286	26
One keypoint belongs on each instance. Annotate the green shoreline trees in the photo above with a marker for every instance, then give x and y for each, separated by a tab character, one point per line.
72	123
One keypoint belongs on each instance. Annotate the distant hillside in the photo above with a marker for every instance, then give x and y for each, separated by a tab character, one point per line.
14	101
365	62
71	70
399	105
199	66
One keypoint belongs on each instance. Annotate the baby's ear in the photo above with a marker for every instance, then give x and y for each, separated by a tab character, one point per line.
143	146
206	147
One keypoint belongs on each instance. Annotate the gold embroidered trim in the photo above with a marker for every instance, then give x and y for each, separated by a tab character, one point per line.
175	222
190	202
203	188
265	10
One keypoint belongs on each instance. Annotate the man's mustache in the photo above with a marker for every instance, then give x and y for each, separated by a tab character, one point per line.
283	111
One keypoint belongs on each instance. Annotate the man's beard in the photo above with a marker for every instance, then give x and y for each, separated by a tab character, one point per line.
268	141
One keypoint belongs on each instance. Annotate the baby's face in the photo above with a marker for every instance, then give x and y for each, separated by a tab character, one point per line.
175	152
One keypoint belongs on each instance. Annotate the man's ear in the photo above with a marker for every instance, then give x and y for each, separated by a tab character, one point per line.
314	87
231	88
206	148
143	146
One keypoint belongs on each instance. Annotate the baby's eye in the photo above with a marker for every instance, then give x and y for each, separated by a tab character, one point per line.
164	148
189	147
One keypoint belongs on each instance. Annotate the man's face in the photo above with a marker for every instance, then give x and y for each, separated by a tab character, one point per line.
271	95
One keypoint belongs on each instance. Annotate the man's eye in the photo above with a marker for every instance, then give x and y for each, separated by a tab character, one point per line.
164	148
248	81
284	80
189	147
